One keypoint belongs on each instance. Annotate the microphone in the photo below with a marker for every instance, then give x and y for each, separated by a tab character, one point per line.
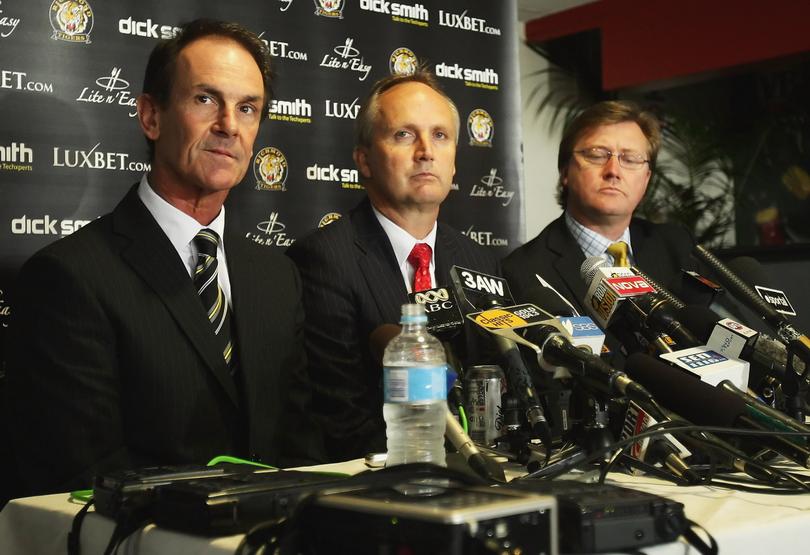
705	405
784	329
619	293
490	291
545	293
751	272
733	339
454	433
665	449
444	319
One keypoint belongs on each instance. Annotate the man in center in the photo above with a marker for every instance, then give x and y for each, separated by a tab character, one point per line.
358	271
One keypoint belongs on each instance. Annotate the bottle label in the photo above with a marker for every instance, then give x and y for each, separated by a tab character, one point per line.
415	384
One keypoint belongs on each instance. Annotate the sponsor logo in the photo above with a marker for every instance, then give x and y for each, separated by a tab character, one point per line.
7	24
281	49
46	225
416	14
294	111
328	218
71	20
466	23
332	9
776	299
272	233
700	360
16	157
5	311
336	109
402	62
147	29
629	286
480	78
270	169
348	178
498	318
285	5
486	238
95	159
492	186
112	89
18	81
347	58
480	128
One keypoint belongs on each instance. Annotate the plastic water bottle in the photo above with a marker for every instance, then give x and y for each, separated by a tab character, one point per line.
415	386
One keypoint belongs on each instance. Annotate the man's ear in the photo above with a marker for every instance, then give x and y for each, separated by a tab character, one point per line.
149	116
360	156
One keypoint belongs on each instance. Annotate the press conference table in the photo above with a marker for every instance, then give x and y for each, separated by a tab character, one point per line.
742	523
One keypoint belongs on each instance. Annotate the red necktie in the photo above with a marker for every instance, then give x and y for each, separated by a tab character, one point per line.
420	260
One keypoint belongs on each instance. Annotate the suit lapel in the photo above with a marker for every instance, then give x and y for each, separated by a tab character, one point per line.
569	261
378	264
152	256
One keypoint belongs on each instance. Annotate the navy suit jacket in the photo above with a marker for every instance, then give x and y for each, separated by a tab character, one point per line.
112	364
352	285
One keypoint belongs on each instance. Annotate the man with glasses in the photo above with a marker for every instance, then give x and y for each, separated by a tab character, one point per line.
606	157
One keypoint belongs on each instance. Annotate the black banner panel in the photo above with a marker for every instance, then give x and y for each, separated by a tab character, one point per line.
70	145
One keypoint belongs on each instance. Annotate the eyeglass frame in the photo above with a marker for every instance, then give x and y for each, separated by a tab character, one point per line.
619	157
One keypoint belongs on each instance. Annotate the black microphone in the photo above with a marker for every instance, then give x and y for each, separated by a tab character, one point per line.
752	272
482	464
483	291
444	320
706	405
750	298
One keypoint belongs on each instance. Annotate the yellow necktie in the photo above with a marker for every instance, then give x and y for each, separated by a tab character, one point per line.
618	251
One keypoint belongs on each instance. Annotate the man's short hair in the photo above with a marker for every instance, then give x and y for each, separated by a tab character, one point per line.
159	75
367	117
609	112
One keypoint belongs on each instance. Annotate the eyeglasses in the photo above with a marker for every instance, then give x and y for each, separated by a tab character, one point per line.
599	156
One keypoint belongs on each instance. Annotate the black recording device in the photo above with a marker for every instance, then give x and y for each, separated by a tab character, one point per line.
595	518
431	516
235	504
132	491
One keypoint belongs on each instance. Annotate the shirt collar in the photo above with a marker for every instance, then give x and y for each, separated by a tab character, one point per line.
593	243
178	226
403	242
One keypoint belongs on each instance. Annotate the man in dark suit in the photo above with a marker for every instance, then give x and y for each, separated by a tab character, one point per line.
606	157
131	343
357	272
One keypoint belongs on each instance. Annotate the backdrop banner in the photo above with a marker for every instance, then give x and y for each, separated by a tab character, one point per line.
70	71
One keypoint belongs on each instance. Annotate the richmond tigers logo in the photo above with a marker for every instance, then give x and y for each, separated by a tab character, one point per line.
71	20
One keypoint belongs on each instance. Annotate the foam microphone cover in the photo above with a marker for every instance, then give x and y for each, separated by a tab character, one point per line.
750	271
684	394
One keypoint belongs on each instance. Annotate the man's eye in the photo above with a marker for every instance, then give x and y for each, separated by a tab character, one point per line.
248	109
204	99
402	134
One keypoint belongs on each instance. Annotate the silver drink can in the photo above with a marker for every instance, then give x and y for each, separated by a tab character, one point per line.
483	386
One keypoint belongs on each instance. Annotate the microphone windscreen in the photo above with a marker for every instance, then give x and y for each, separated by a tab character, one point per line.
379	339
684	394
698	319
548	300
589	268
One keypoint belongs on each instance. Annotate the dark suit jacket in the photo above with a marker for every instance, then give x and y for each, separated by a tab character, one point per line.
352	285
659	250
112	363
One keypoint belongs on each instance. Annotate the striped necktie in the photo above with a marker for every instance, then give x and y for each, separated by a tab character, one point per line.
211	295
618	251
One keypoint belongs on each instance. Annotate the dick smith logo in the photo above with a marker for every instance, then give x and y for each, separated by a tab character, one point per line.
481	78
46	225
492	186
272	233
348	58
7	24
400	13
146	29
295	111
348	178
16	157
112	89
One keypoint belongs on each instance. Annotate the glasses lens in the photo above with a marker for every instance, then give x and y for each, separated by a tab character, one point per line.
632	159
598	156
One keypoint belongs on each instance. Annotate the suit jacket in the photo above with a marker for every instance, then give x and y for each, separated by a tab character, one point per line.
112	363
352	285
